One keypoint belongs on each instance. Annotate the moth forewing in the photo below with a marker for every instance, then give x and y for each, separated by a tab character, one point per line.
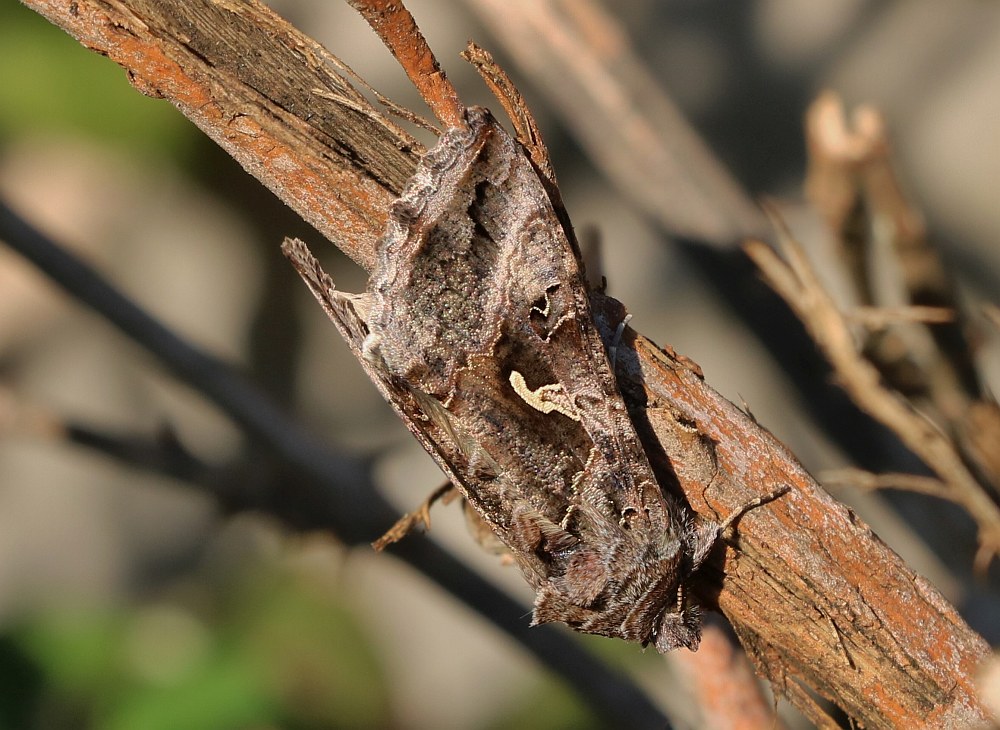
479	332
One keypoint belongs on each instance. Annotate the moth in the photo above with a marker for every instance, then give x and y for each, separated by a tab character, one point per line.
477	328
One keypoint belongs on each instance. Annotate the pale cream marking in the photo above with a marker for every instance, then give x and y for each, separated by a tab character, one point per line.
546	398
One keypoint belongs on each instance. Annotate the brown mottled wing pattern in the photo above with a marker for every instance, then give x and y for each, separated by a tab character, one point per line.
478	330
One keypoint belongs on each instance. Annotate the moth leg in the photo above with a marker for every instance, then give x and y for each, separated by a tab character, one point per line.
701	538
680	628
703	535
619	331
421	516
533	531
753	504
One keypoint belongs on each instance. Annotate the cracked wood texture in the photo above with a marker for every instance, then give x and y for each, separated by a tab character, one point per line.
822	606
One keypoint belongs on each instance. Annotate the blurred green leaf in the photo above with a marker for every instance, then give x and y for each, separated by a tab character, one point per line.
77	651
52	84
277	650
549	706
218	694
22	683
312	651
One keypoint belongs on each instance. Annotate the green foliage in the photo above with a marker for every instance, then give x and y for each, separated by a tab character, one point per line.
276	651
550	706
53	85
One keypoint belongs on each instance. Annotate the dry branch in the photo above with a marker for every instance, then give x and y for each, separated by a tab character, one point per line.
796	281
582	57
819	602
397	29
265	93
822	605
861	479
852	184
722	680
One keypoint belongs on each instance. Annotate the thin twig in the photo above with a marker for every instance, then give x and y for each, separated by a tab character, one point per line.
397	29
875	318
581	56
794	279
861	479
525	126
852	184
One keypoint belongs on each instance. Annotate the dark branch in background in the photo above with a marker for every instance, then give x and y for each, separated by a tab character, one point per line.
836	587
322	489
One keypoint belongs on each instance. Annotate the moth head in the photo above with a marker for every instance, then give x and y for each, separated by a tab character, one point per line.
679	629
